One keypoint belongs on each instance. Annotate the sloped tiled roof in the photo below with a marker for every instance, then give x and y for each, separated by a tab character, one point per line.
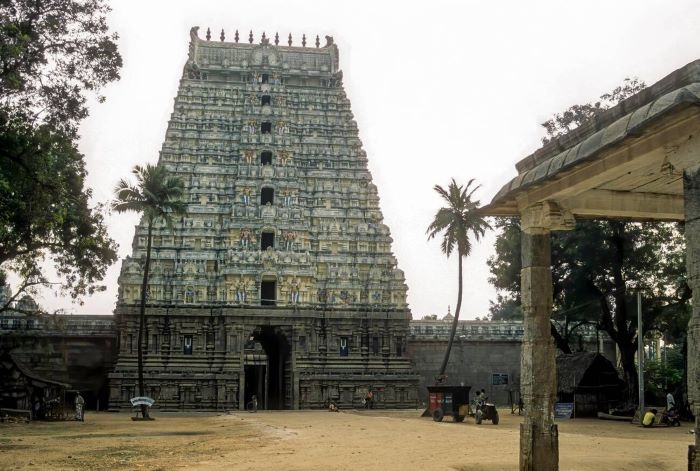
630	118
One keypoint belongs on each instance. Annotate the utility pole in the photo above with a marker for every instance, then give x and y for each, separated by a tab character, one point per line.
640	355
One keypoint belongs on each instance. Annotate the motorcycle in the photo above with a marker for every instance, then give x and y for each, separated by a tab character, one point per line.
485	411
670	418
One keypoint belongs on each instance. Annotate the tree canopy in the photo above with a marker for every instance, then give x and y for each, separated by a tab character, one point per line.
53	55
596	271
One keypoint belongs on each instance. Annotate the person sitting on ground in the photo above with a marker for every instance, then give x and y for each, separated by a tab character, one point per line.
332	407
649	418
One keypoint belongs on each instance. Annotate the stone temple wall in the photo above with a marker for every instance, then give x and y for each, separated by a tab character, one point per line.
281	269
81	350
484	354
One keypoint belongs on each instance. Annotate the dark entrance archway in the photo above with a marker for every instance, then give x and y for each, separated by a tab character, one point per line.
268	369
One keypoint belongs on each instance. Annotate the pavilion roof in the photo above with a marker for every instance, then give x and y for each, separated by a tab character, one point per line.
610	130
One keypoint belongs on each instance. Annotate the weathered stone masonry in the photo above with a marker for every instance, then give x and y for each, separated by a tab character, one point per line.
279	281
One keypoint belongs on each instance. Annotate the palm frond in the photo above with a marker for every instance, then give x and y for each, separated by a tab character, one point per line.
156	194
459	220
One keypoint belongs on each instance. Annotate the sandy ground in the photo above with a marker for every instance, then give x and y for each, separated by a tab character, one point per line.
319	440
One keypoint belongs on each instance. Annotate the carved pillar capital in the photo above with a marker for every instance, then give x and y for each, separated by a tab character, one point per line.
544	217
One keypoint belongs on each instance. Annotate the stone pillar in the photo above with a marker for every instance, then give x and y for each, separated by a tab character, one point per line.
691	190
539	437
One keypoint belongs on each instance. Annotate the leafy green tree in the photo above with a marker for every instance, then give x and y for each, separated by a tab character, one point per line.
45	213
457	221
156	195
596	270
53	55
665	374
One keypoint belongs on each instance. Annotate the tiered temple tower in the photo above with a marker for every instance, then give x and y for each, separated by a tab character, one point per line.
279	281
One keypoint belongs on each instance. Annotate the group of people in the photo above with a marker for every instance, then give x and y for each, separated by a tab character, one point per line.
367	402
53	408
649	417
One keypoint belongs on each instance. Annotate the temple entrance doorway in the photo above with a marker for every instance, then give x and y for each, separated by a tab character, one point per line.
268	369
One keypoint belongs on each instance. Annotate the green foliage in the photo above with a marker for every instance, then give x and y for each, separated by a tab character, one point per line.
45	212
53	53
456	222
596	270
506	308
155	194
506	269
458	219
665	374
575	115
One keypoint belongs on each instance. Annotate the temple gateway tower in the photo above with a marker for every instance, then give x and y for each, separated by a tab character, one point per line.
279	281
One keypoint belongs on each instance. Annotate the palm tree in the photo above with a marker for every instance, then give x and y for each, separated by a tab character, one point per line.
457	220
156	195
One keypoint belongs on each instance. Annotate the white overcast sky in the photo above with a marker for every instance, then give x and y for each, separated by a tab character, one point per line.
439	89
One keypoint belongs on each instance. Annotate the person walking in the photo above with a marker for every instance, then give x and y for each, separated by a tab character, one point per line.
79	407
369	399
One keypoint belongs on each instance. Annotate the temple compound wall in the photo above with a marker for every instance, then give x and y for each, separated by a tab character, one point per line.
485	355
279	281
81	350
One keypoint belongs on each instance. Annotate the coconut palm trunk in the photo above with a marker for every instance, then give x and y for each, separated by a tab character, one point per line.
456	222
453	331
157	196
142	318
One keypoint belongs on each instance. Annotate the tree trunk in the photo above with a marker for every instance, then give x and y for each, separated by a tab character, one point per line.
142	318
443	367
627	358
561	343
624	332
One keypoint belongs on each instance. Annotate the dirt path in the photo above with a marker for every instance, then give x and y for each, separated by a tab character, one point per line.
317	440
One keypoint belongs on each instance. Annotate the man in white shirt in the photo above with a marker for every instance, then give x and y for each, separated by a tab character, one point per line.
670	402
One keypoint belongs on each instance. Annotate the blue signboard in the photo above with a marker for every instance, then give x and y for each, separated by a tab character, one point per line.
563	410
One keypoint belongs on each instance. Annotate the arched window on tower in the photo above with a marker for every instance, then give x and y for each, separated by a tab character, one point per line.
268	293
267	240
267	195
265	100
266	127
266	158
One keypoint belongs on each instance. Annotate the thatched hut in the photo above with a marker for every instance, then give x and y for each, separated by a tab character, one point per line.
588	380
21	388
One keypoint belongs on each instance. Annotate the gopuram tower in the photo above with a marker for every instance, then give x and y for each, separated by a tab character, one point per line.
279	281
